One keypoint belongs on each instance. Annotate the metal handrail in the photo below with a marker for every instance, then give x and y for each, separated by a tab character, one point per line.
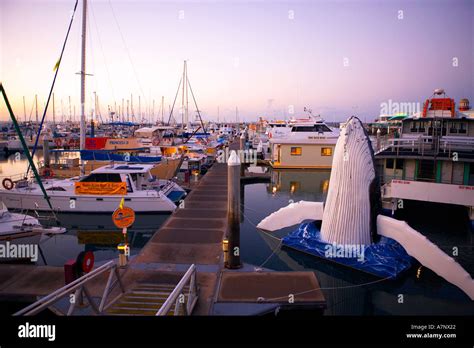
77	285
174	297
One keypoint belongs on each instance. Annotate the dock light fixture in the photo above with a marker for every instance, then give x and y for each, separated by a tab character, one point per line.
124	251
225	249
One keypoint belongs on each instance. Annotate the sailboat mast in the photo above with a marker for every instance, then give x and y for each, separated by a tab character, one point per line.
153	113
24	107
54	113
70	110
83	81
36	107
162	110
182	96
187	92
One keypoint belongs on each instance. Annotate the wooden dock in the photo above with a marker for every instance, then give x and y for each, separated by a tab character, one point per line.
193	234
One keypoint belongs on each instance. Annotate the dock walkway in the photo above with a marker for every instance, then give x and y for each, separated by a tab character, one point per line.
193	234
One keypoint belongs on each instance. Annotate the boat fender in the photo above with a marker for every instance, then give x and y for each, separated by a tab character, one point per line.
7	184
85	262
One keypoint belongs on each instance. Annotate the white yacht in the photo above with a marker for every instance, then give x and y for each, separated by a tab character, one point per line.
99	192
13	225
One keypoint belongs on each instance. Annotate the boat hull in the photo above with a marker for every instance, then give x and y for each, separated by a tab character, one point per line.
85	203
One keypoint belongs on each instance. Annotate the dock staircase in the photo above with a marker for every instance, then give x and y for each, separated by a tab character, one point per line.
141	299
146	299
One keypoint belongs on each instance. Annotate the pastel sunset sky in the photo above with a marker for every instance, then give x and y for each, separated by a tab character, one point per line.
264	57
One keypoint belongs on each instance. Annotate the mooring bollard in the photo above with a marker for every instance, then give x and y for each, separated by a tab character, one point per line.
233	211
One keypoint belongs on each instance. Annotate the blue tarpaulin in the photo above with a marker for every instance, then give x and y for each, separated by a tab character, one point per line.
385	258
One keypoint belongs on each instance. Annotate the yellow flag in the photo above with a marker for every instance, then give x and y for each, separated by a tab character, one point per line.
56	66
122	202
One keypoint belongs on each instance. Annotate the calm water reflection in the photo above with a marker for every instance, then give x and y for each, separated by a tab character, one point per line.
427	294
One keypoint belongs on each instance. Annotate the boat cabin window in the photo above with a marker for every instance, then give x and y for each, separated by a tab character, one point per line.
296	151
102	177
318	128
462	128
326	151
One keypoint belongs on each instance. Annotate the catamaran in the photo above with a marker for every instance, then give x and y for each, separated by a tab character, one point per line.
99	192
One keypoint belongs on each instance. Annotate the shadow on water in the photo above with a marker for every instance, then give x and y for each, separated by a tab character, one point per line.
418	291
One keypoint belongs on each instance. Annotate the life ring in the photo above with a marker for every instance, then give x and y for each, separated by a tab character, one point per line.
84	262
7	184
47	173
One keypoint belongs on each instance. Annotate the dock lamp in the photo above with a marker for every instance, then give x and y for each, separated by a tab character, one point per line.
124	252
225	249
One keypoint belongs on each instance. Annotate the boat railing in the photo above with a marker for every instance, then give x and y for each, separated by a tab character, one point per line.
177	299
427	145
78	288
387	179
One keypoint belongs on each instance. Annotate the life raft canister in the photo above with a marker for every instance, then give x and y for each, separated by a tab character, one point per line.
7	183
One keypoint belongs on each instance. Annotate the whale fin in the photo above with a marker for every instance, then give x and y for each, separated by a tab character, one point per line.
427	253
291	215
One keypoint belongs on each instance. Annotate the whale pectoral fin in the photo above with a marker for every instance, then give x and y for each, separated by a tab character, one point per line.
291	215
427	253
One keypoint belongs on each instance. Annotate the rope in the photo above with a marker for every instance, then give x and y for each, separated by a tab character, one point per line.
52	85
331	288
307	291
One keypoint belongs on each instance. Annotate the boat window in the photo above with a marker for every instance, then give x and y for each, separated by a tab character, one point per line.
471	173
129	184
55	188
296	151
462	128
389	163
326	151
399	163
102	177
452	127
318	128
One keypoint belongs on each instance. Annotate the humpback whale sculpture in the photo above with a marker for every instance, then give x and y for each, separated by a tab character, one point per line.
350	217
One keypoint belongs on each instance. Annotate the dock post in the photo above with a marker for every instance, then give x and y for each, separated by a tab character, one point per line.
233	211
46	158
